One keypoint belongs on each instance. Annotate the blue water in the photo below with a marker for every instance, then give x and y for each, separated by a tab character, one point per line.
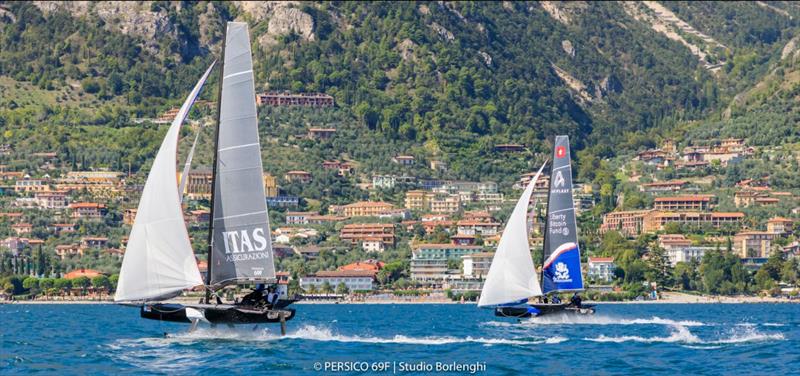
619	339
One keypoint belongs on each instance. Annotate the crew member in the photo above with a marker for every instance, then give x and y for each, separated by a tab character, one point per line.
272	296
576	300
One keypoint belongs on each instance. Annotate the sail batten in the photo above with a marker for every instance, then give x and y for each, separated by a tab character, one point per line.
512	276
241	247
561	269
159	261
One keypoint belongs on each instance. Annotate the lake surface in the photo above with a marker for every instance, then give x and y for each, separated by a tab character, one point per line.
625	339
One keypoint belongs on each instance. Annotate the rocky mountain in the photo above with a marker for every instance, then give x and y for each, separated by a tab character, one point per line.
448	80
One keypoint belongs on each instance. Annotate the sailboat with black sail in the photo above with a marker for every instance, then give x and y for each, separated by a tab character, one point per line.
512	279
159	262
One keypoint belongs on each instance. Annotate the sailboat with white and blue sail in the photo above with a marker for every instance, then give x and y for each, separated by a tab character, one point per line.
512	279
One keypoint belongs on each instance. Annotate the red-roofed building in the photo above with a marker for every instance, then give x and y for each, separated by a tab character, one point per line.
88	210
298	176
22	228
780	225
366	209
663	186
360	232
65	250
368	265
89	273
686	202
471	227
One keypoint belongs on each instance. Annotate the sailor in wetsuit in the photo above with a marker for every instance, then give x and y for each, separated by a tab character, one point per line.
272	296
576	300
254	298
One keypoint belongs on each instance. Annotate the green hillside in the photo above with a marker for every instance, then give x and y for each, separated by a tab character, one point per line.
444	81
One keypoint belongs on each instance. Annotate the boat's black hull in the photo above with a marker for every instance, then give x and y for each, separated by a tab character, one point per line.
536	310
217	314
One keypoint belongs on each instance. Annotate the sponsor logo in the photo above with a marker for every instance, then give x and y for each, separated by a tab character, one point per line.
244	241
561	151
562	273
559	180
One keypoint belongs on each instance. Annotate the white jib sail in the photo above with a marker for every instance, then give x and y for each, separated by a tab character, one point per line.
159	260
512	276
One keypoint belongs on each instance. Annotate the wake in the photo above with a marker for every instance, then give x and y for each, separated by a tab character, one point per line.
323	334
595	320
681	334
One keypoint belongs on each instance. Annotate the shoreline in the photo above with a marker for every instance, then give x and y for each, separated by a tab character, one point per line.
667	298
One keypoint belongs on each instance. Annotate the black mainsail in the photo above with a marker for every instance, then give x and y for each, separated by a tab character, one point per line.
240	246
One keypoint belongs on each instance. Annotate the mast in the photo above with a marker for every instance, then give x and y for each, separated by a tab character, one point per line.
214	168
546	224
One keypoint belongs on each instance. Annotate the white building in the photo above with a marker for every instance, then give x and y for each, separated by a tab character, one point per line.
680	249
601	268
373	245
355	280
476	265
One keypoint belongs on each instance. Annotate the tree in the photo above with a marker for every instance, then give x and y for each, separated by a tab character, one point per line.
83	283
342	289
660	267
311	290
790	271
101	283
326	288
32	284
63	285
113	280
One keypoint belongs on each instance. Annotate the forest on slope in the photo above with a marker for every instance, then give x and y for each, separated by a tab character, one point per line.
440	80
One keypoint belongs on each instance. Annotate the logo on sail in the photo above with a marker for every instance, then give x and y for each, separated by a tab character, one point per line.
561	152
559	181
562	273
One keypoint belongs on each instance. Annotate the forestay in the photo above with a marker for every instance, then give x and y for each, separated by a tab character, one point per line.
561	270
512	276
241	245
159	260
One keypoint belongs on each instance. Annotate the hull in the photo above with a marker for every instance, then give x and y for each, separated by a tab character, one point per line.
536	310
216	314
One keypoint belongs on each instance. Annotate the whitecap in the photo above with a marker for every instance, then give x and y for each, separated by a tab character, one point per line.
680	334
604	320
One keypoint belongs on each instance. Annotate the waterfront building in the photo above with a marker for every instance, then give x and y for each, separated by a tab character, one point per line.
476	265
753	244
601	269
680	249
429	262
355	280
